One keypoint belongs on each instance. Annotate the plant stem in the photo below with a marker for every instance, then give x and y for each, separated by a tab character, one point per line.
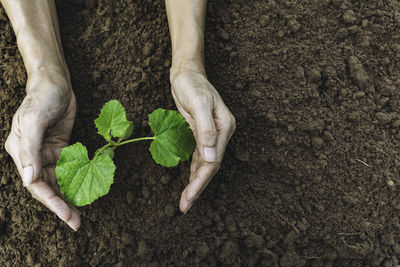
101	150
114	145
136	139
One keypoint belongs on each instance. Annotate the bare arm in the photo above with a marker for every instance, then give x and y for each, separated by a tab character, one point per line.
197	100
36	28
186	23
43	123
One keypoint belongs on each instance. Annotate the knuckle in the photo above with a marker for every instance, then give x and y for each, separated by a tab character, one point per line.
233	123
216	164
208	134
229	121
7	145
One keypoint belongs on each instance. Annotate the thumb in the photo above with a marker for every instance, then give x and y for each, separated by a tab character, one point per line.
31	138
206	133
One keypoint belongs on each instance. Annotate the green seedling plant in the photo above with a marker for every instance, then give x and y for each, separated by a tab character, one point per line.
83	180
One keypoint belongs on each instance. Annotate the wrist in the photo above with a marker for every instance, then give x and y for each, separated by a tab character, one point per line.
49	77
41	51
186	65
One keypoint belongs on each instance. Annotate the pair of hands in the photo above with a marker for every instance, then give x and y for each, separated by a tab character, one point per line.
43	123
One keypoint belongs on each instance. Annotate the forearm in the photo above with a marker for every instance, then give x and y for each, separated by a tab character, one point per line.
186	19
38	38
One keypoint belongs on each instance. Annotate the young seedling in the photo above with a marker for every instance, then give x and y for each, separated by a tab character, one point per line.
83	180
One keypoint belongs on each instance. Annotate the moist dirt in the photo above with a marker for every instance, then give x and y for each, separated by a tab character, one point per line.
310	178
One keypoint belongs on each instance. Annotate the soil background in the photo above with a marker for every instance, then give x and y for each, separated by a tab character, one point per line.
310	178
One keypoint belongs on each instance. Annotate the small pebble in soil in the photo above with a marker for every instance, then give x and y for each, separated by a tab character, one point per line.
242	155
271	120
317	142
383	117
264	19
390	183
293	26
319	207
314	74
317	178
396	124
169	210
129	197
387	239
143	250
254	241
354	116
165	179
146	192
349	200
230	224
4	180
349	17
303	227
147	49
229	252
299	73
365	41
330	72
127	238
328	136
341	33
29	260
289	259
358	94
357	72
203	250
396	248
223	34
353	29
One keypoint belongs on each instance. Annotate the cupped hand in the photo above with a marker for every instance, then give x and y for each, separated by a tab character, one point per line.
41	127
212	124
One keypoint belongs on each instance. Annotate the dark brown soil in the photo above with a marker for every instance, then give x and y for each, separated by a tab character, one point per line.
311	177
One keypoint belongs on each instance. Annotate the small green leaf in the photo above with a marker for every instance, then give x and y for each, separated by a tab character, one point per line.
174	139
81	180
112	121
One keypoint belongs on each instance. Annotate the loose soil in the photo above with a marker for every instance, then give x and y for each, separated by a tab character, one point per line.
310	178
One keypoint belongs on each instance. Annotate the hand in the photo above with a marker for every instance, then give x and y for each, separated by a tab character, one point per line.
41	127
212	124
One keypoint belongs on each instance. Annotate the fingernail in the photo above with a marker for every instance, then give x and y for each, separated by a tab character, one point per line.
70	225
27	175
190	205
191	198
210	154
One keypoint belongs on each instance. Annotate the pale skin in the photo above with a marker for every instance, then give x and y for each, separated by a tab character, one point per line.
42	125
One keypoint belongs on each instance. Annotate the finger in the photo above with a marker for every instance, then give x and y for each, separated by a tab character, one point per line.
49	177
50	154
32	131
45	194
198	182
195	164
12	147
193	190
206	132
226	126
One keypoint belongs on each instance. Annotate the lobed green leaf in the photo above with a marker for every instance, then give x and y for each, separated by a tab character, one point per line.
173	138
81	180
112	121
